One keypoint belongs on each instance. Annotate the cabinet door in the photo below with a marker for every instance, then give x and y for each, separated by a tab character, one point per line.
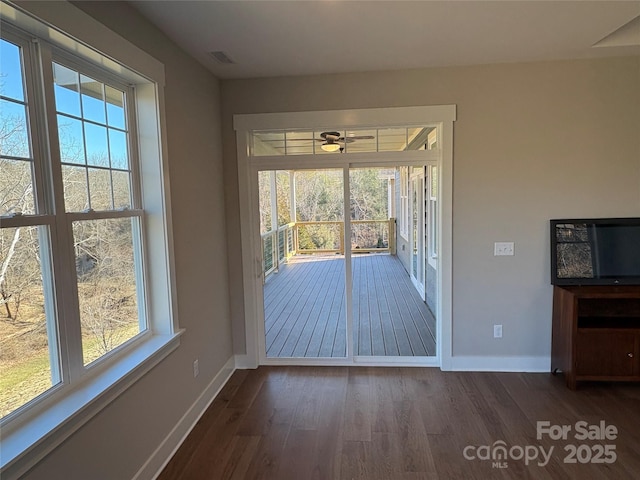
605	353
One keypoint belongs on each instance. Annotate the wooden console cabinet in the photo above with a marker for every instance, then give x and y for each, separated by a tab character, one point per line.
596	333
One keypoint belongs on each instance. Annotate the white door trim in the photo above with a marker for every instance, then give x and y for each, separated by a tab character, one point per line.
248	166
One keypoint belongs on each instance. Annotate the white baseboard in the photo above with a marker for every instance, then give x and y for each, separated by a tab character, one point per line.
500	364
159	459
243	362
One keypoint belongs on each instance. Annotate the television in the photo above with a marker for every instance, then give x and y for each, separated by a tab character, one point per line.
595	251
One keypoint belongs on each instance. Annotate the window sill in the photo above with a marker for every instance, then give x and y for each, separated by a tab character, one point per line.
35	438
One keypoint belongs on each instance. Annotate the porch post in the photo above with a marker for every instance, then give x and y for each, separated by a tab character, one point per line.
274	218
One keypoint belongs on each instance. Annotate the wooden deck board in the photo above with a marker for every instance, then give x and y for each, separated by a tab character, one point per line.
293	299
305	309
410	318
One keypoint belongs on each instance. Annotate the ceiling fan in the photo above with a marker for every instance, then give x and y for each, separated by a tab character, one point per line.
333	141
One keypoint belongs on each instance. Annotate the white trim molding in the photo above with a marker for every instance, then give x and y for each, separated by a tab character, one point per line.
500	364
24	447
364	117
176	437
248	167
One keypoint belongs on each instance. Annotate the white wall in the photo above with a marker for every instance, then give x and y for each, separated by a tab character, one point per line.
532	142
116	443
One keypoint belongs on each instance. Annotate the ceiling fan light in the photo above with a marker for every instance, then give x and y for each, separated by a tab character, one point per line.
330	147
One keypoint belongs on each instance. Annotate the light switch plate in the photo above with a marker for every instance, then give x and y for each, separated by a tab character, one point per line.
503	248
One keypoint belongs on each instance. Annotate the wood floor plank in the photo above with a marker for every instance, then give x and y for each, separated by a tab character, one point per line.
280	423
358	413
200	431
268	454
415	452
355	463
242	451
330	432
296	451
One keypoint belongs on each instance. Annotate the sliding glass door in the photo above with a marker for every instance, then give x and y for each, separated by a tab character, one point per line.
302	236
329	284
388	314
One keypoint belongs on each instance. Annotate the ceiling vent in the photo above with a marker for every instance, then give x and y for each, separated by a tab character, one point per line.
222	58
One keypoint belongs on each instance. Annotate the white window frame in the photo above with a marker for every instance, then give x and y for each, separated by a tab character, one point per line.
432	222
65	31
404	202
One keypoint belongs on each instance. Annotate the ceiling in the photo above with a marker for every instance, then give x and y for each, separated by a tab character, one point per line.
280	38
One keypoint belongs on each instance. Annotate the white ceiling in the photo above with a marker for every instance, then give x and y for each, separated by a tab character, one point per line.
276	38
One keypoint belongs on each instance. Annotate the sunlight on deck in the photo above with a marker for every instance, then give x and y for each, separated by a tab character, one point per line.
305	312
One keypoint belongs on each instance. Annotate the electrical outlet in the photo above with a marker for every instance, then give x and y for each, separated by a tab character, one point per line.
196	368
497	331
503	248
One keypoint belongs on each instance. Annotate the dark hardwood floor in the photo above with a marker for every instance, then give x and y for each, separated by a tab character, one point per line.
298	423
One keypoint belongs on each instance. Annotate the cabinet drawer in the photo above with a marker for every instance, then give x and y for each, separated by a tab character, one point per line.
605	354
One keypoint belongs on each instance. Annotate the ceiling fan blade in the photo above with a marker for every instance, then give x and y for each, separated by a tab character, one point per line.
333	137
359	137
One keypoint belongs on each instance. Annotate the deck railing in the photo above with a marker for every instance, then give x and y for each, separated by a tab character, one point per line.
277	246
325	237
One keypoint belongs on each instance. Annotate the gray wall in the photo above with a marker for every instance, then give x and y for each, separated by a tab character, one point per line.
533	141
116	443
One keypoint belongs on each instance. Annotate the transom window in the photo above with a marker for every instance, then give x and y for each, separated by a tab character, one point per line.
329	140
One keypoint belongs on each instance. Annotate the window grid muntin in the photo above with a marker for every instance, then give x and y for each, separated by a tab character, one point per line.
23	51
107	81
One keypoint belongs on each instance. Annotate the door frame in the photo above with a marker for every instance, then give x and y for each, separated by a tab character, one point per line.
248	167
417	234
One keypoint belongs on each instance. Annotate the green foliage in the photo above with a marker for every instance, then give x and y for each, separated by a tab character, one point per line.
319	237
368	195
319	198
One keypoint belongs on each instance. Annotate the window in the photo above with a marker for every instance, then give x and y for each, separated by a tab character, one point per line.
97	175
432	206
81	236
30	358
404	202
96	216
319	141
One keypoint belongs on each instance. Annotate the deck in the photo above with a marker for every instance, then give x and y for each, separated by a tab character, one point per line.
305	309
